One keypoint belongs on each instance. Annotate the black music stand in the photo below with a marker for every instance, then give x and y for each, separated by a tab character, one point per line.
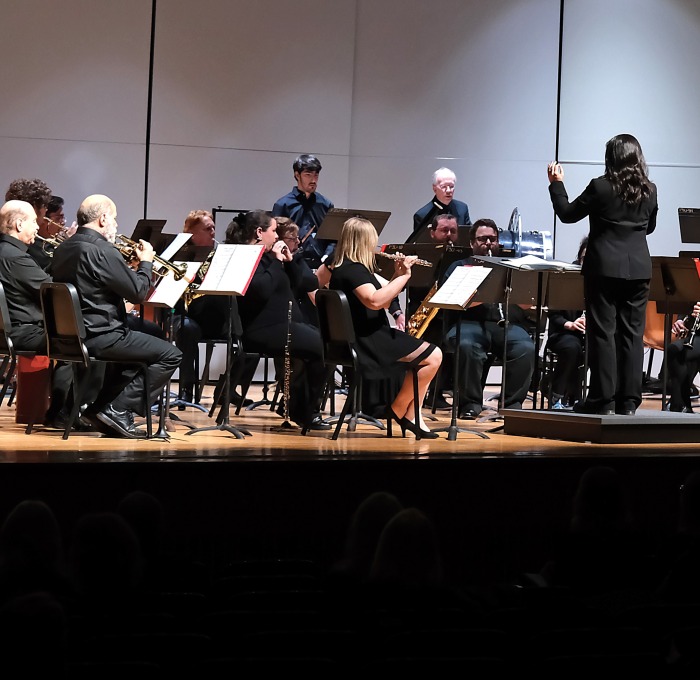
510	282
228	275
675	286
564	290
335	218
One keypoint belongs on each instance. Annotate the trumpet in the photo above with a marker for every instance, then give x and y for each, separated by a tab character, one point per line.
128	247
51	243
401	256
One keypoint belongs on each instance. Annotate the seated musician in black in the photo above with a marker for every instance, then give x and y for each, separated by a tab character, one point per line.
97	269
264	311
482	333
566	338
21	278
683	357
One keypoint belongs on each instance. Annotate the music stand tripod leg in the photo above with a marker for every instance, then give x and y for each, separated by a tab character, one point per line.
453	429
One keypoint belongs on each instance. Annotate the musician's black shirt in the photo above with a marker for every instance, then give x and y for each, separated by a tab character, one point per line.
103	280
21	278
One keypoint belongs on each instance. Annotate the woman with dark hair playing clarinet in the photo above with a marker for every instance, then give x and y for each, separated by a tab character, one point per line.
382	349
264	312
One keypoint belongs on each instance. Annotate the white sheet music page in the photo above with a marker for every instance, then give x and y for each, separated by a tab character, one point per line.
460	288
231	269
168	291
534	262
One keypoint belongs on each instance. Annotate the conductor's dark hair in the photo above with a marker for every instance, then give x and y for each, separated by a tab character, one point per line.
33	191
242	229
581	248
307	162
483	222
626	169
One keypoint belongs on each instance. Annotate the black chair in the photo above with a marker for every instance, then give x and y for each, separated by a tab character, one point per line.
65	336
338	337
7	349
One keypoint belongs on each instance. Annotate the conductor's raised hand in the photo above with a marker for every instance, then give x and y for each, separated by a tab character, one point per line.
555	172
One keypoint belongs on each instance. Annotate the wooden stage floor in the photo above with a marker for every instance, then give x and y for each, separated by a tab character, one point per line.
268	444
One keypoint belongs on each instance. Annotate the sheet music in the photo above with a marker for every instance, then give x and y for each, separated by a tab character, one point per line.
460	288
231	269
168	291
176	244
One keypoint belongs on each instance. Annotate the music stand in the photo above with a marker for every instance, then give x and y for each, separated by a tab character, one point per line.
229	273
564	290
675	285
335	218
689	223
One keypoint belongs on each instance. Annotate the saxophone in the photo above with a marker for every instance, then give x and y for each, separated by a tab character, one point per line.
191	290
421	318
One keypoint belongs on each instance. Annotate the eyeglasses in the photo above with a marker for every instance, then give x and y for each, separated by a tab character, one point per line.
291	238
486	239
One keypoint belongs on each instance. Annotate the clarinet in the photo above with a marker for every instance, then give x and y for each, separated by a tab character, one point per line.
287	368
693	330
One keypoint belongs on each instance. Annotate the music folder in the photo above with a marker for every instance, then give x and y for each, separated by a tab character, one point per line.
231	269
332	224
689	222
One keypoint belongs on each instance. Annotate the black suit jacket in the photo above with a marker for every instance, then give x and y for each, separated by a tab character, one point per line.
617	243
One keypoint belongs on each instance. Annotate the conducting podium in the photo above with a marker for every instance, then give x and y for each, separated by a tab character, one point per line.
229	273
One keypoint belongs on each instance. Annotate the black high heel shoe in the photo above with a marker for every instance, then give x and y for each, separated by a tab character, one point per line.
390	415
406	424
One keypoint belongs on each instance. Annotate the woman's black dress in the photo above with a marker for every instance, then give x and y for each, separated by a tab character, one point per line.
379	346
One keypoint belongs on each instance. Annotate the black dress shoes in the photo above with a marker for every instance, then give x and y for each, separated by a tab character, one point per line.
317	423
120	423
594	409
468	414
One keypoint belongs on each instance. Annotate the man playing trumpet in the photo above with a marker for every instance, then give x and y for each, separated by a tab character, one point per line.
90	261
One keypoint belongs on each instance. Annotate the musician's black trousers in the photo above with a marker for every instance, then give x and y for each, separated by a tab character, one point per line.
307	369
615	318
683	365
123	385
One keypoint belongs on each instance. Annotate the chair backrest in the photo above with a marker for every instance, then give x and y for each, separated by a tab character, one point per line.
5	325
63	321
337	330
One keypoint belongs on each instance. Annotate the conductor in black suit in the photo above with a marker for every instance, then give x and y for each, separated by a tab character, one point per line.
621	207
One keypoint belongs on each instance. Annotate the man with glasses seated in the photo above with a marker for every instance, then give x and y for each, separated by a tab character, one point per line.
482	334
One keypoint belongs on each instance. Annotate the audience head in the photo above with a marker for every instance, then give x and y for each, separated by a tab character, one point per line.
99	212
145	515
407	554
444	181
483	237
689	510
600	502
358	241
443	229
366	526
200	223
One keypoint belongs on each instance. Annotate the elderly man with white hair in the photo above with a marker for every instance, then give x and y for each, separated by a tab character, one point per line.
443	203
